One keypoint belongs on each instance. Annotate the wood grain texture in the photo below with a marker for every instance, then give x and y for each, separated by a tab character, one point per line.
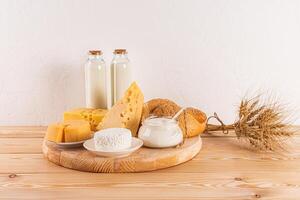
144	159
149	186
224	169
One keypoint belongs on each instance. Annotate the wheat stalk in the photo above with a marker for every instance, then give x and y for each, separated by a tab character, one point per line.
263	125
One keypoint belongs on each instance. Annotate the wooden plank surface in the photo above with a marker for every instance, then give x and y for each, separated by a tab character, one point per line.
224	169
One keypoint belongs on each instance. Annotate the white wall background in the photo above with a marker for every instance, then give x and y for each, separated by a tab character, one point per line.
199	53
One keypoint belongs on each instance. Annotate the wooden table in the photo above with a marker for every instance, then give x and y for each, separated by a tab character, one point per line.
224	169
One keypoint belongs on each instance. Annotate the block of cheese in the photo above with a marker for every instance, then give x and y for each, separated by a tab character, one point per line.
93	116
77	130
126	113
55	132
69	131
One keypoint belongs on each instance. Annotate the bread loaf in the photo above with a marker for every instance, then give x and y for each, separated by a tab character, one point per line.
191	121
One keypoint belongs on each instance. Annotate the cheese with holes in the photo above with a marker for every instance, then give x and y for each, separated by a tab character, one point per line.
69	131
93	116
126	113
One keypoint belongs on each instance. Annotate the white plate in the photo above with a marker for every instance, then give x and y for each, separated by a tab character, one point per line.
68	144
136	143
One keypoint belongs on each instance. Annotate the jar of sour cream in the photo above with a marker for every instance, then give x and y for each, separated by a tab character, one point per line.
160	133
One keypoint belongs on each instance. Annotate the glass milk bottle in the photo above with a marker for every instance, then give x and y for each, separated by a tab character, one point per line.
121	77
95	81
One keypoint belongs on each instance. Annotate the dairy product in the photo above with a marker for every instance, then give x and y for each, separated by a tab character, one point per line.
55	132
160	133
69	131
120	71
112	139
127	112
95	81
93	116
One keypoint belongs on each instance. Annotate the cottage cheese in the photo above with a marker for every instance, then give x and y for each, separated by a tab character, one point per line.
112	139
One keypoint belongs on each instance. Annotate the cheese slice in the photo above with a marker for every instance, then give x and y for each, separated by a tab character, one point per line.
69	131
93	116
126	113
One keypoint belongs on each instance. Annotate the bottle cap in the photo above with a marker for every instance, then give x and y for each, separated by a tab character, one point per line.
95	52
120	51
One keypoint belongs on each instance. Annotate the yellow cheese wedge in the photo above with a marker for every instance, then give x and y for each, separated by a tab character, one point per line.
126	113
93	116
69	131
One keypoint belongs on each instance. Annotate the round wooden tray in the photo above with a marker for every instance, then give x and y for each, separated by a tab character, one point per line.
144	159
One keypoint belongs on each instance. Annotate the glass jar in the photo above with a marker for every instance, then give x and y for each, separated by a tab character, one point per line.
160	133
95	81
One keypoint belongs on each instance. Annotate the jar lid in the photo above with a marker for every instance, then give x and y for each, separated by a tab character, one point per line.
95	52
120	51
